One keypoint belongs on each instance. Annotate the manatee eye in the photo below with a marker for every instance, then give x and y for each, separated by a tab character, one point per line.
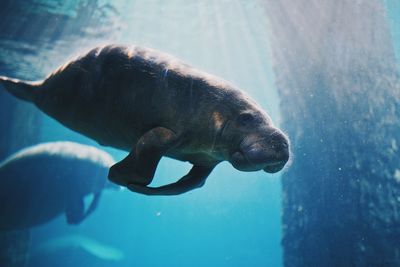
245	119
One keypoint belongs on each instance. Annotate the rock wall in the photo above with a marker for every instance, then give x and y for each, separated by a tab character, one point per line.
340	100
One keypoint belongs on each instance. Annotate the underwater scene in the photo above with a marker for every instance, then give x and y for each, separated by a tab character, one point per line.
199	133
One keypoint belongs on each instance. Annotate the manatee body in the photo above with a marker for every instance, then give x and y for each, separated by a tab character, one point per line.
153	105
41	182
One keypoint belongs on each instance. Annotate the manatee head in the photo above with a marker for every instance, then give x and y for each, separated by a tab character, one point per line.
254	143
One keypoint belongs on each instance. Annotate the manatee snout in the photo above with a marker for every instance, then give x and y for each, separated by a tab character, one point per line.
269	153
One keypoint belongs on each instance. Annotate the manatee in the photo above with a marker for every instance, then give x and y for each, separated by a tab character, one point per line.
153	105
41	182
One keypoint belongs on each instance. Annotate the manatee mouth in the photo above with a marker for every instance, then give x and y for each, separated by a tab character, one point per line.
274	167
240	162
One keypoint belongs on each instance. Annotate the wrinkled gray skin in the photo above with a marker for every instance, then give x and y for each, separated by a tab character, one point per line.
41	182
153	105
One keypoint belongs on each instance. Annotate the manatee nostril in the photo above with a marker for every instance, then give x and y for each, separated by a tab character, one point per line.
283	152
285	145
279	143
279	153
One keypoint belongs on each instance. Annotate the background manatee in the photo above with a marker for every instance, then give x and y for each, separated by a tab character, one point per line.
41	182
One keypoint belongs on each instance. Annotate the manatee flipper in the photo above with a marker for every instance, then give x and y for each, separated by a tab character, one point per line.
194	179
75	210
23	90
141	163
94	204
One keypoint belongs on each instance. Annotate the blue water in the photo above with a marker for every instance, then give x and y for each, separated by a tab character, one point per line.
234	220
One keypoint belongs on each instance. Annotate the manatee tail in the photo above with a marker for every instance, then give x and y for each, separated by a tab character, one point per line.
91	246
23	90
